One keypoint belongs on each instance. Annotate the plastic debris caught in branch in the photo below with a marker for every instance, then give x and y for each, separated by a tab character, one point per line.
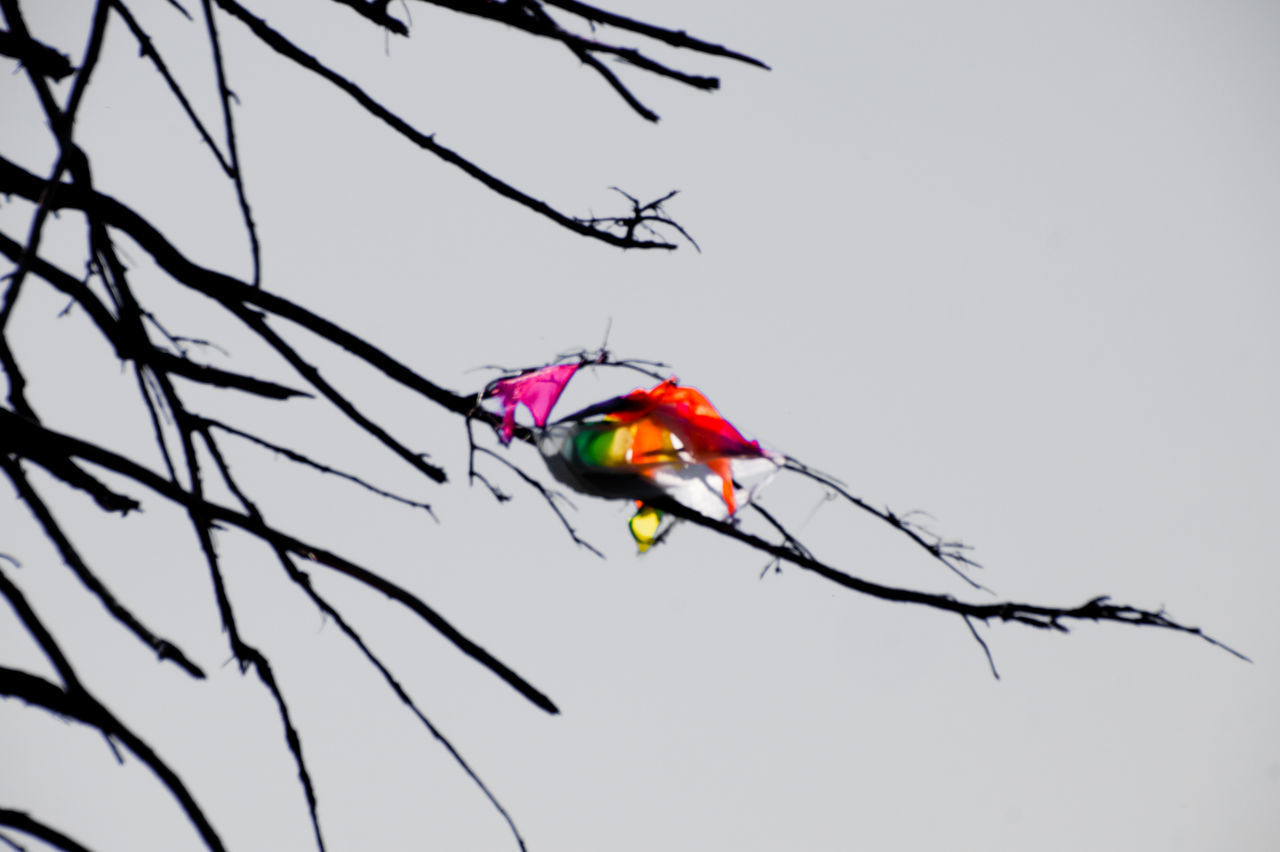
667	441
537	390
664	441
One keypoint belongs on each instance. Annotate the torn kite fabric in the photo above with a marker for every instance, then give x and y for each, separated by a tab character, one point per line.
537	390
667	440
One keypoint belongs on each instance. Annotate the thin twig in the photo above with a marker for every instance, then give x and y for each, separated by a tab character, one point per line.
233	153
547	495
644	216
259	325
303	581
299	458
148	49
949	554
982	644
675	38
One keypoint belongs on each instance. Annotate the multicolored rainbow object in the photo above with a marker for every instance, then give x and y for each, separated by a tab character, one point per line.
667	441
664	441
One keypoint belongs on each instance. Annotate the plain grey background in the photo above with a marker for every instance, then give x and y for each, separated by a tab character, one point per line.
1011	264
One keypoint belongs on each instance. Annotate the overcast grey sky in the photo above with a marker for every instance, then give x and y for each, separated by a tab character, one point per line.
1014	265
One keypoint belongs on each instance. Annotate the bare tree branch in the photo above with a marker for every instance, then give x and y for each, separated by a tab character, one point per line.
233	152
74	701
223	288
301	459
1031	615
38	57
126	325
286	48
24	434
148	49
29	825
675	38
376	12
531	17
259	325
156	358
949	553
60	122
187	440
549	496
303	581
164	649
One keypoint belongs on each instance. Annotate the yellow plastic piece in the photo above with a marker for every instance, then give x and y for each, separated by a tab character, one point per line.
644	526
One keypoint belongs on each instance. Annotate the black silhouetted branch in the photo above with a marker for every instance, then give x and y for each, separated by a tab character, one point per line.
247	655
60	122
548	495
255	321
195	469
137	336
982	643
643	217
376	12
73	701
675	38
303	581
175	365
164	649
223	288
299	458
532	17
27	824
1031	615
286	48
232	159
39	58
23	435
148	49
952	554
